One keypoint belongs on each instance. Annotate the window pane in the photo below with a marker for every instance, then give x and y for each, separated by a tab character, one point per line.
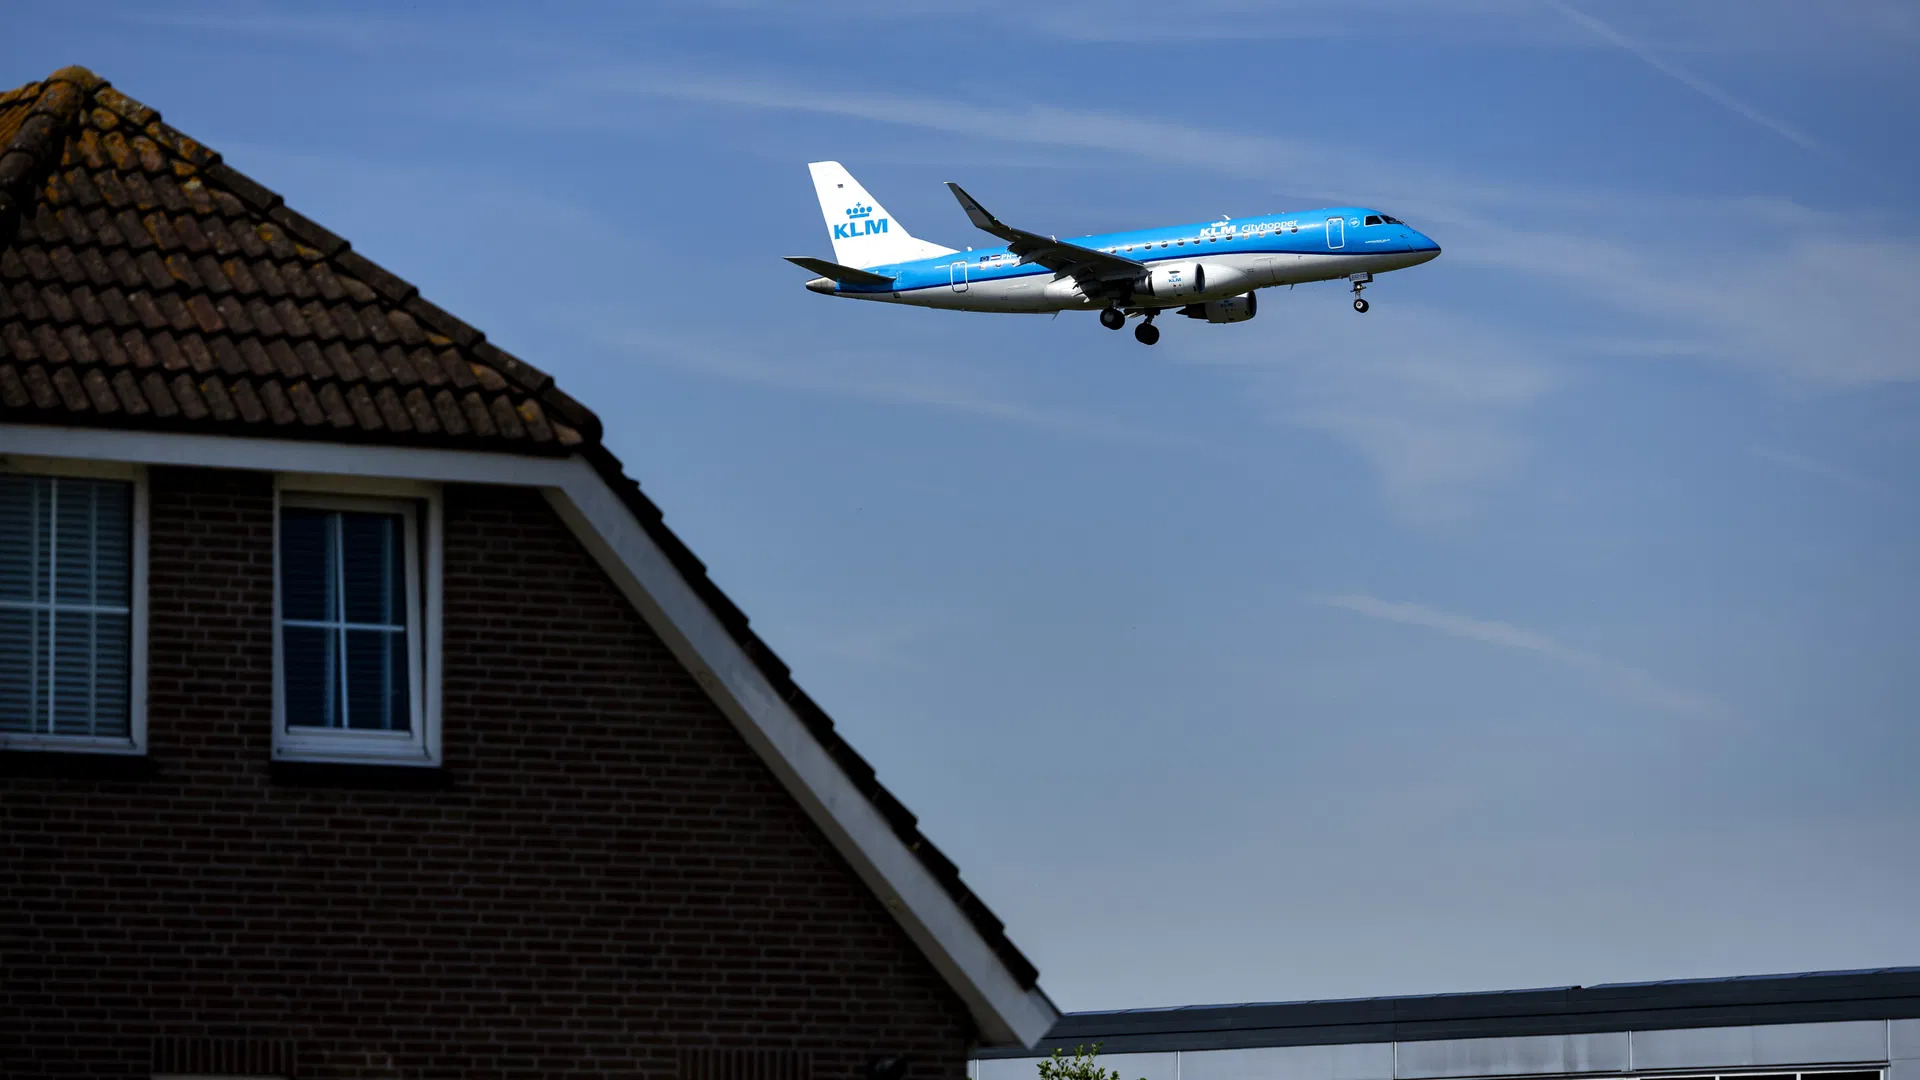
373	557
72	686
92	527
18	653
310	681
377	680
66	549
26	531
112	663
113	543
307	565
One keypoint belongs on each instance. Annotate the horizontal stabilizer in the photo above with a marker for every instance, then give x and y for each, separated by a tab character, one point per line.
845	275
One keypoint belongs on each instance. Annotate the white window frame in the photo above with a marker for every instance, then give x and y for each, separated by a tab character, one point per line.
135	743
419	505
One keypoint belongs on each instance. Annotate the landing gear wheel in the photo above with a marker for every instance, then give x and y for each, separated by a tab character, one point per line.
1146	333
1360	305
1112	319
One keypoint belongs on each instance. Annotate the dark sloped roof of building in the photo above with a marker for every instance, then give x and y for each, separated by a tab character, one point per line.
145	283
1809	997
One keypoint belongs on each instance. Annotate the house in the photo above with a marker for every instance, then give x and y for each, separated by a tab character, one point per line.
1824	1025
360	717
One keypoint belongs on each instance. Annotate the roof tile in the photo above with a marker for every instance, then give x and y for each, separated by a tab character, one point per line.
128	394
187	396
420	412
377	279
40	388
301	398
304	229
365	412
475	412
392	411
159	400
447	411
220	403
13	393
138	352
194	349
334	405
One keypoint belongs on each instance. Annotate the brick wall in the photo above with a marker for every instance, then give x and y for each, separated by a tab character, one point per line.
609	884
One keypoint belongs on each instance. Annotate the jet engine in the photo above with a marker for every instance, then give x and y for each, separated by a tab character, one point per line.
1171	281
1188	281
1232	309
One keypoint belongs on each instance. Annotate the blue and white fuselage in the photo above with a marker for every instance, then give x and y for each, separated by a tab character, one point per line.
1207	271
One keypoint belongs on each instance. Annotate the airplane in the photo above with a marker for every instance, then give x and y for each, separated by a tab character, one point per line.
1207	271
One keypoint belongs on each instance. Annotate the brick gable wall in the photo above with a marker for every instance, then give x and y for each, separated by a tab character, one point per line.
611	883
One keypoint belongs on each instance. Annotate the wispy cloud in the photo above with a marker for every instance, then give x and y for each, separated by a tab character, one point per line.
1687	78
1624	679
1429	398
1832	473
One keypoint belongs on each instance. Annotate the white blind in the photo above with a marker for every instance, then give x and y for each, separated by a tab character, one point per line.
66	560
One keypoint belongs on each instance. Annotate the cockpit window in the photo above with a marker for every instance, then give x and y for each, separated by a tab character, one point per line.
1391	220
1373	219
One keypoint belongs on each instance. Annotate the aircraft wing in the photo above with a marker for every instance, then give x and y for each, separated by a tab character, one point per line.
1086	265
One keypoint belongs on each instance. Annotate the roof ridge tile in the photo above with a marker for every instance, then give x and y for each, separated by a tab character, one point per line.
302	227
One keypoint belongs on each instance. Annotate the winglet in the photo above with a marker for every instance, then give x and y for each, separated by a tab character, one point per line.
978	214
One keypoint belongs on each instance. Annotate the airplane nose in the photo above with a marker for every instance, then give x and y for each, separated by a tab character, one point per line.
1422	245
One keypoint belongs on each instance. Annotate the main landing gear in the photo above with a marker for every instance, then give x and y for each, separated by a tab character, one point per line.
1146	333
1360	281
1112	318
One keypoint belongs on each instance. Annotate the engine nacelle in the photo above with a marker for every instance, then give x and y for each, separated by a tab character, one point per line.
1232	309
1189	281
1171	281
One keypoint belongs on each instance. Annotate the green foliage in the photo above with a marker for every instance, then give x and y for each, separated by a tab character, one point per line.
1080	1066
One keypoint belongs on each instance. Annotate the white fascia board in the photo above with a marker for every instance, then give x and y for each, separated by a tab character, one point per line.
1007	1014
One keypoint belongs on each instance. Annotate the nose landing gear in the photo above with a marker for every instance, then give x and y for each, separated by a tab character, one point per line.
1112	318
1360	281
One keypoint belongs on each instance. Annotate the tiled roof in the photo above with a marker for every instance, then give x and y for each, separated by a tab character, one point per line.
144	283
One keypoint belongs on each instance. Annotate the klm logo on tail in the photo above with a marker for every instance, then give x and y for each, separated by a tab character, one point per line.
861	223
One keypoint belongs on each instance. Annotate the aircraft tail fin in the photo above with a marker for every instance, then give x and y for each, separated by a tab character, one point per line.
864	234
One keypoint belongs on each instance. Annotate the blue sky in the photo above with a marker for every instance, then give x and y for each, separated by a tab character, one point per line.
1556	622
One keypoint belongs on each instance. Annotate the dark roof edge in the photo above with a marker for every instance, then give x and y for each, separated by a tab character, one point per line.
1809	997
64	92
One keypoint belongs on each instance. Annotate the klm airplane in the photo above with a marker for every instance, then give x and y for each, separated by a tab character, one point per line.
1205	271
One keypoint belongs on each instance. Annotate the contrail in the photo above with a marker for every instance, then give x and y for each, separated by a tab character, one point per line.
1688	78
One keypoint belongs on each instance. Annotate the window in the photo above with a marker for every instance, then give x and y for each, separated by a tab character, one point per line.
355	653
1373	219
72	613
